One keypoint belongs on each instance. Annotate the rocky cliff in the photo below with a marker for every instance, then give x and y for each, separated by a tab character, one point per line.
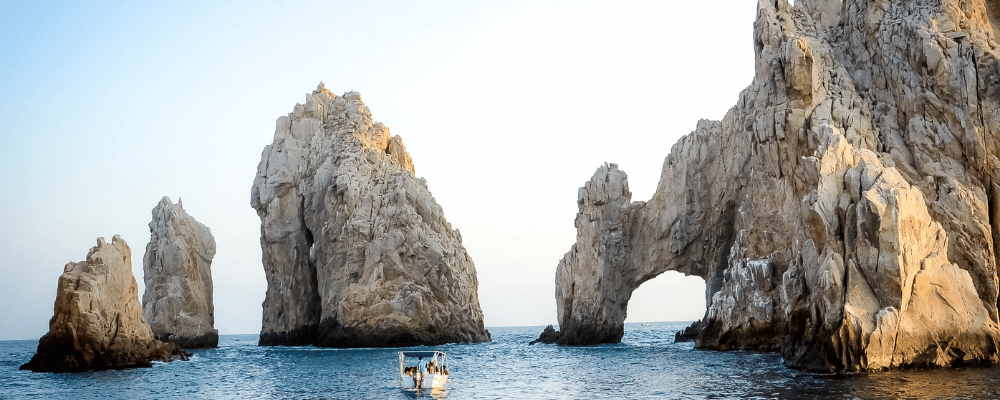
844	212
177	269
97	322
356	251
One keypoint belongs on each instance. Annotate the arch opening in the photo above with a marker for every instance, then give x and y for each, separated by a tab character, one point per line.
669	297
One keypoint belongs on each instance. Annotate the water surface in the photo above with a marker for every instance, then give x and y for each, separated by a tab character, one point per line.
646	365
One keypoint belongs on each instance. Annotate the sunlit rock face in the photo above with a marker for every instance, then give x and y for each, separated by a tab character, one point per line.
177	270
356	251
844	212
97	321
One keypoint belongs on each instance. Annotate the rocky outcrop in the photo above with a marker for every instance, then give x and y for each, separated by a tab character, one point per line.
177	269
356	251
97	323
844	212
549	335
690	333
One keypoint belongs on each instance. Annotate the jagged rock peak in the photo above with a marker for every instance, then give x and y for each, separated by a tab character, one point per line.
356	251
844	212
97	322
177	269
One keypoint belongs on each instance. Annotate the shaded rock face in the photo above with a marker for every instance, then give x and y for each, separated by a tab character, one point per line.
356	251
97	323
177	270
845	210
690	333
548	336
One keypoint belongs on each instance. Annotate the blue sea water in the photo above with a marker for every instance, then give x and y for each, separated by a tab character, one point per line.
647	364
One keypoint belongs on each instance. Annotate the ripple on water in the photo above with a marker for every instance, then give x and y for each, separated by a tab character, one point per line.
647	364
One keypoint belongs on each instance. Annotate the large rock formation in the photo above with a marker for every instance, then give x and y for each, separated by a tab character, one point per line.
844	212
177	269
356	251
97	323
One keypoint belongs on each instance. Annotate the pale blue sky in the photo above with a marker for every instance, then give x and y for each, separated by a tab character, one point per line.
506	107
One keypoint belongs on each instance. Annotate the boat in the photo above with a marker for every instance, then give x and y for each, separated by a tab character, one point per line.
420	374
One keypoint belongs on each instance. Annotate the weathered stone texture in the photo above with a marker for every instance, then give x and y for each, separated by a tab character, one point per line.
177	270
356	251
97	322
844	212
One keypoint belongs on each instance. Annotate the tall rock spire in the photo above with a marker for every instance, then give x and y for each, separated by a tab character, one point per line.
177	270
356	251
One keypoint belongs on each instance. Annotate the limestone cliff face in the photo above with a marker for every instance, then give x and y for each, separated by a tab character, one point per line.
356	251
97	322
177	269
845	211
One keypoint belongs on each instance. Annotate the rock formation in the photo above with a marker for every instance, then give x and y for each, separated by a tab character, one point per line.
97	323
844	212
356	251
549	335
177	269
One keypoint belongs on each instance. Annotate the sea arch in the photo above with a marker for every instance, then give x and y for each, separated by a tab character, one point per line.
671	296
621	244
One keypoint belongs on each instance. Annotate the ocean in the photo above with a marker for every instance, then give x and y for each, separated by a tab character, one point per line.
647	364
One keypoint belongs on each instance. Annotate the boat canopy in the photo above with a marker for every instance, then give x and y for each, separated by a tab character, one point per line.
420	354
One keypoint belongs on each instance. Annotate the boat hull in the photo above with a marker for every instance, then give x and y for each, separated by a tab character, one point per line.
428	381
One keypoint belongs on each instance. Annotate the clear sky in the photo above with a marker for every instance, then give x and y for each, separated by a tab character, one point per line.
507	108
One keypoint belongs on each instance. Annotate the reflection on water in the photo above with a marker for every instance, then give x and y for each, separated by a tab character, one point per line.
436	393
969	382
647	364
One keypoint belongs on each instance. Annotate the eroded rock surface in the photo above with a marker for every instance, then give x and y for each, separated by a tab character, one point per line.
549	335
356	251
97	322
177	270
845	210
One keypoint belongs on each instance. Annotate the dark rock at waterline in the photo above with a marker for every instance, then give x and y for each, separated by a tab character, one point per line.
332	334
301	336
59	354
589	335
690	333
549	336
207	341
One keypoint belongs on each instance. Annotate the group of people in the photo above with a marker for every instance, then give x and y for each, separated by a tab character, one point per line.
419	371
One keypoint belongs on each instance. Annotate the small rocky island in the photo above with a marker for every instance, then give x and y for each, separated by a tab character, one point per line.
97	322
356	251
177	270
845	212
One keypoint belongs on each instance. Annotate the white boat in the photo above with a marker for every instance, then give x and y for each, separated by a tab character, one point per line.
421	374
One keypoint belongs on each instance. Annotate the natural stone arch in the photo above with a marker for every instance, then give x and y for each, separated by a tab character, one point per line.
614	253
844	211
